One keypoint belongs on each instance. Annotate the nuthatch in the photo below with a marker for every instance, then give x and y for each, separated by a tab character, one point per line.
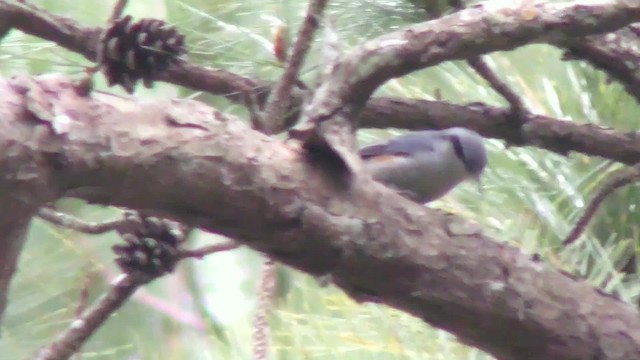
426	164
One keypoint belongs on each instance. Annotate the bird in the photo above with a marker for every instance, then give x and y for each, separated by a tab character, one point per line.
425	165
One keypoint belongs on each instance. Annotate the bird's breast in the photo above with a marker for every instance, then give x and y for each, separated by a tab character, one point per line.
425	177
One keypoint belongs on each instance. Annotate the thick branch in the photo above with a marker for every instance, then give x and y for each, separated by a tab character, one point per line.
464	34
541	131
375	244
25	186
84	40
617	54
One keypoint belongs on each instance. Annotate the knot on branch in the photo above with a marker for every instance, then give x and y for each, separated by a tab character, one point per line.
151	247
132	51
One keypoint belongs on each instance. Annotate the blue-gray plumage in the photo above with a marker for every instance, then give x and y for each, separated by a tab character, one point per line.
426	164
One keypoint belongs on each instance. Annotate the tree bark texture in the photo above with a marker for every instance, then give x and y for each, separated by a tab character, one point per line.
381	112
187	161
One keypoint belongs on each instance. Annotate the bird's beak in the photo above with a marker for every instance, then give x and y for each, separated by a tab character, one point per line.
478	180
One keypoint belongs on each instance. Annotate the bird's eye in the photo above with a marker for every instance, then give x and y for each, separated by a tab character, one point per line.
457	146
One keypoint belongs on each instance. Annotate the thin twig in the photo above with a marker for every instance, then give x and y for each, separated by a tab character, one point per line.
260	323
172	311
118	8
619	179
81	306
71	340
515	102
83	296
71	222
208	250
560	136
480	66
279	99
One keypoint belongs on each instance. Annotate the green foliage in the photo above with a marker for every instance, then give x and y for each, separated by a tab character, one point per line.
531	198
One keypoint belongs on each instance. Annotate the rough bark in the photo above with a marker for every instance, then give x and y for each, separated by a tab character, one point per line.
184	160
616	54
541	131
24	183
464	34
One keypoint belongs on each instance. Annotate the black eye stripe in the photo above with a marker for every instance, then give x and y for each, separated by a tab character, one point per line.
457	147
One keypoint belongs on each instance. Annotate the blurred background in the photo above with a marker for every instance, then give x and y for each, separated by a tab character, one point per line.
205	309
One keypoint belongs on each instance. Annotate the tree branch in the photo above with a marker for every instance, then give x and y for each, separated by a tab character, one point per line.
24	191
464	34
68	221
541	131
118	8
280	98
266	289
488	294
76	335
495	298
200	253
482	68
616	53
494	122
471	32
617	180
516	106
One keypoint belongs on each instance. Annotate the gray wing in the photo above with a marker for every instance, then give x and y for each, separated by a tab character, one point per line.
375	150
403	145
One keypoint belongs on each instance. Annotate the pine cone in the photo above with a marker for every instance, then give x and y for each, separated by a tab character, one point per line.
129	52
151	247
